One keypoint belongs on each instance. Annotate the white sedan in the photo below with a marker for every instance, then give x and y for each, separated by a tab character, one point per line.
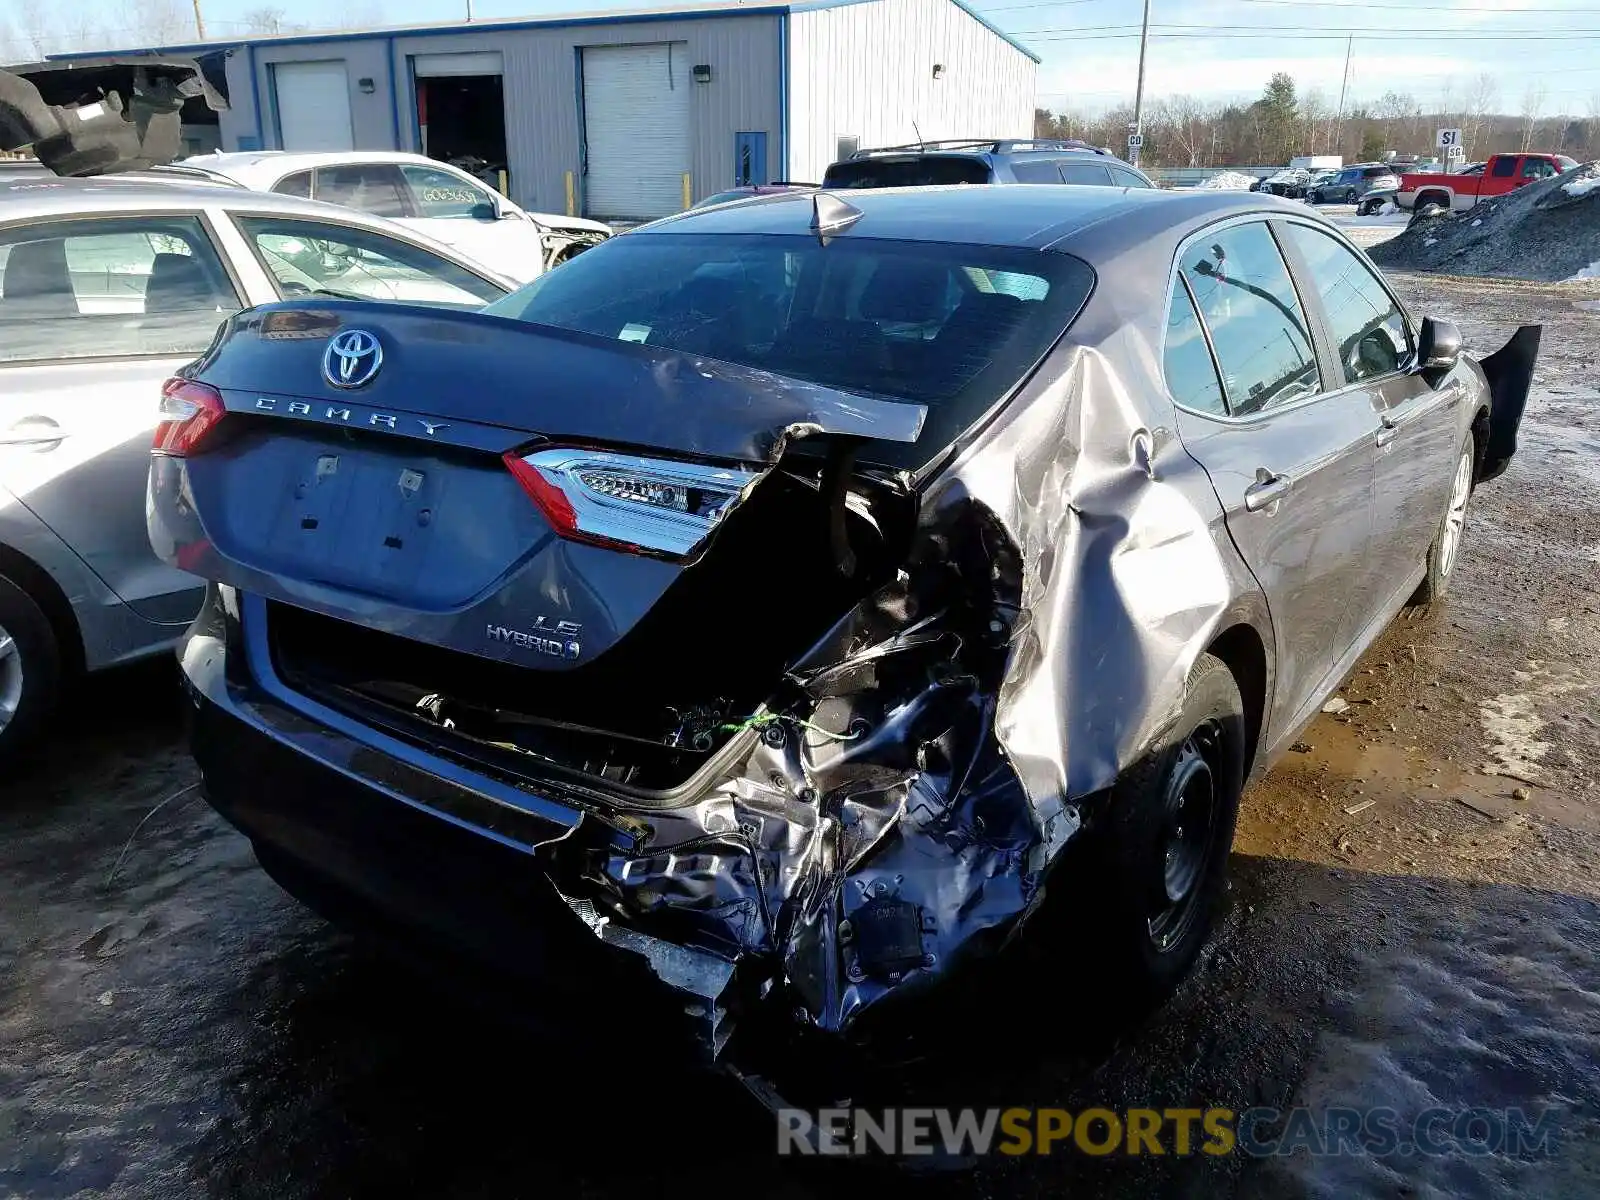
430	196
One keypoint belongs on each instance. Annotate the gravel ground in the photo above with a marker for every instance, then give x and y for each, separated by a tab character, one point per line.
1539	232
172	1026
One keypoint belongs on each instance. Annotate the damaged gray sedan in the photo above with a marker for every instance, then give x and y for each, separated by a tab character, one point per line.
742	622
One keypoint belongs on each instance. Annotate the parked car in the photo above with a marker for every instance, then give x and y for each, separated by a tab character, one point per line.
1502	174
966	161
108	286
1350	184
754	189
746	618
1378	199
434	198
1290	183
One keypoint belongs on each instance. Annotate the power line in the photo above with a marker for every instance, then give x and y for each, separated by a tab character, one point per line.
1504	12
1173	29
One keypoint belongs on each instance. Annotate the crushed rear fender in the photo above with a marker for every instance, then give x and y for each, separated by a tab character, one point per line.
897	813
99	116
1509	371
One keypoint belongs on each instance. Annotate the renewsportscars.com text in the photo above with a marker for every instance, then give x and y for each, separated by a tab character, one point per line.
1258	1132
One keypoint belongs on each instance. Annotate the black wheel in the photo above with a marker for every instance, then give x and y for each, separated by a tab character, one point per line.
1445	551
30	669
1162	859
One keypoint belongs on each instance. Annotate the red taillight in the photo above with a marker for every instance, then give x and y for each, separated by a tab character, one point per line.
552	501
189	411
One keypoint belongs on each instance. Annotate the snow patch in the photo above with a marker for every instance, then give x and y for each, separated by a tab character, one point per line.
1581	187
1228	181
1431	242
1592	271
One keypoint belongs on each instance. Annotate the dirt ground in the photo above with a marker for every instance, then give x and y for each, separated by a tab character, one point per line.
1414	920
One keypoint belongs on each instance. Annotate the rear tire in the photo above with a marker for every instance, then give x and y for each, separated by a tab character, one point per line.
1159	863
30	670
1445	552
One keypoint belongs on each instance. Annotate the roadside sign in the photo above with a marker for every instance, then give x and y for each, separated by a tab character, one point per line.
1449	139
1135	140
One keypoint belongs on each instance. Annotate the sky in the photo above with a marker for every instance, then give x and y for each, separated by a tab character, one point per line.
1213	49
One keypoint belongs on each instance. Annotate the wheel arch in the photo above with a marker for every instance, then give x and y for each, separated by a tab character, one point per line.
1242	651
44	591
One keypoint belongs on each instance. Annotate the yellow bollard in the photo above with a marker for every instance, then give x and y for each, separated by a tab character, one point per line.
572	196
688	191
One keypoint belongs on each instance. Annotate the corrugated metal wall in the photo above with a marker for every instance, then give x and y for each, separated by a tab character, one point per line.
867	70
372	116
541	92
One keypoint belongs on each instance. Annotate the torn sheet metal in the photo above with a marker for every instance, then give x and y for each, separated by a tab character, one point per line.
1064	576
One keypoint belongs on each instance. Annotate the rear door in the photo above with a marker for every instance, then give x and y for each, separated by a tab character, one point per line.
1292	466
95	313
1416	445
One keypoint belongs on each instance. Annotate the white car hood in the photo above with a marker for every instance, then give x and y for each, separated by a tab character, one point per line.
576	224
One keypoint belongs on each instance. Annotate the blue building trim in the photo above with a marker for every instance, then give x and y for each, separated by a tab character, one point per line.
785	156
255	99
272	105
394	92
580	170
511	26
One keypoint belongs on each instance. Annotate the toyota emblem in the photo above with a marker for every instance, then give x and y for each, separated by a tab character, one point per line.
352	358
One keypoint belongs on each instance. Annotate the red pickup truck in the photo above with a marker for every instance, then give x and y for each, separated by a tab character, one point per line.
1501	174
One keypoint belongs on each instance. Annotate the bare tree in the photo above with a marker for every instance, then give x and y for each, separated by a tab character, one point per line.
265	20
1480	99
1183	119
1532	105
1314	117
359	14
162	22
36	27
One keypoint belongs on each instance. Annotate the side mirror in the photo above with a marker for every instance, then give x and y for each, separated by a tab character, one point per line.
484	212
1438	345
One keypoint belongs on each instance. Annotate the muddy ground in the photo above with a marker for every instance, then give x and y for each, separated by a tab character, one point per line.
172	1026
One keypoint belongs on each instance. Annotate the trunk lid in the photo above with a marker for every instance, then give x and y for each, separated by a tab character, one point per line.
390	507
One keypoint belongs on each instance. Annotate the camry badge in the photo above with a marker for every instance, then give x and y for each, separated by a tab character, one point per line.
352	358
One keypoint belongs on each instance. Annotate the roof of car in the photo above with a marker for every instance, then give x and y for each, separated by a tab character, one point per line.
1034	217
254	166
29	198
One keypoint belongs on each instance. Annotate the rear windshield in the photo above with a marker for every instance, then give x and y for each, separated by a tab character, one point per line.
906	172
1375	172
954	327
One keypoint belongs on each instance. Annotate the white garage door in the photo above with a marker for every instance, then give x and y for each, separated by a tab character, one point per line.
446	66
636	129
313	106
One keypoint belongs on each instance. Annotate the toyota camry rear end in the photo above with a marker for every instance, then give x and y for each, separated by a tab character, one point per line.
738	623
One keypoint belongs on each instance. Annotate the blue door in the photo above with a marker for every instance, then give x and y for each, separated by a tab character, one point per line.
749	159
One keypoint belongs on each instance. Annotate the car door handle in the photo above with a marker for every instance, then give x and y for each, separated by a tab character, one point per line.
1266	491
34	431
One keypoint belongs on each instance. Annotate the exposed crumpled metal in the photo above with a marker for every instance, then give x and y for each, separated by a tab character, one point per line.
1064	578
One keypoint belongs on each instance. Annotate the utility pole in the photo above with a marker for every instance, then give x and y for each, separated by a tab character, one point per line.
199	23
469	12
1338	124
1136	143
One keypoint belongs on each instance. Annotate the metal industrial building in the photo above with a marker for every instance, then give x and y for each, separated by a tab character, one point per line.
626	115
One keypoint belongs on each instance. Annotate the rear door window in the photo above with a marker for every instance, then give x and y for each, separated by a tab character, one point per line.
112	288
1242	288
375	188
1035	170
952	326
1092	174
317	258
926	171
1368	328
298	184
1191	373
